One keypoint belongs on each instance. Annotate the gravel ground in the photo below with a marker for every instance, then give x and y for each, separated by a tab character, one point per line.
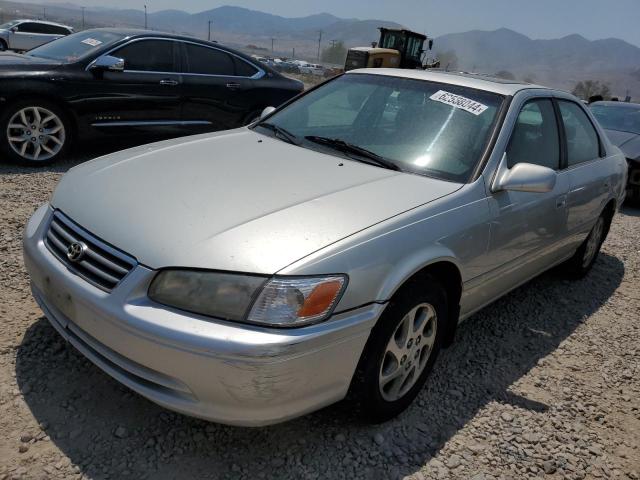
544	383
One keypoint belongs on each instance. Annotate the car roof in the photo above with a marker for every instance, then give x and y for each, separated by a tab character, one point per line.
45	22
463	79
616	104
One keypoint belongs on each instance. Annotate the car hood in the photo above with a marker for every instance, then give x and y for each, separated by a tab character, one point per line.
628	142
237	201
14	61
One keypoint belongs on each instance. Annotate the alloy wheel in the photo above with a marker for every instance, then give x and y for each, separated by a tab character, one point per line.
36	134
408	351
593	242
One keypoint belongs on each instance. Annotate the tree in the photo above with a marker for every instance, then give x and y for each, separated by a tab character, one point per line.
589	88
506	74
448	60
336	53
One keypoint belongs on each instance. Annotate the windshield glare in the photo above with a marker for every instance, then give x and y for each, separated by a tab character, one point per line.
76	46
397	119
624	118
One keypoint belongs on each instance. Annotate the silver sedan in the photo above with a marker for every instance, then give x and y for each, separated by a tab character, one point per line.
332	247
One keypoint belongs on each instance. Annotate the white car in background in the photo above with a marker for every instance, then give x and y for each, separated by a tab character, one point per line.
27	34
311	69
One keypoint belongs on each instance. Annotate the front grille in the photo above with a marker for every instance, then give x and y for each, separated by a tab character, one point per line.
101	265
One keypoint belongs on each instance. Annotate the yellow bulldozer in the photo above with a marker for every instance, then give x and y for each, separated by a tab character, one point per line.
397	48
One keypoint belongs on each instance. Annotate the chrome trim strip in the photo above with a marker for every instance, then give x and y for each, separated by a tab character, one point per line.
261	73
154	123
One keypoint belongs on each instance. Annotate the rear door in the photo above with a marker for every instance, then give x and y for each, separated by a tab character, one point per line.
589	171
218	87
146	94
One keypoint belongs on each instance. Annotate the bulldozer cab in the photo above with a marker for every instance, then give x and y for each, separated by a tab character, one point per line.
409	44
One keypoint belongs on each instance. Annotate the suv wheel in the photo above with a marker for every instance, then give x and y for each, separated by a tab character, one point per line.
401	350
34	133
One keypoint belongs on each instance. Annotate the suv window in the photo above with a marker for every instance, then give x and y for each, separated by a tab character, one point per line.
535	136
149	56
28	27
583	143
208	61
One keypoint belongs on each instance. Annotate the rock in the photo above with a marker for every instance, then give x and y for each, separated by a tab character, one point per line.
340	438
378	438
23	448
453	461
507	417
121	432
26	437
549	467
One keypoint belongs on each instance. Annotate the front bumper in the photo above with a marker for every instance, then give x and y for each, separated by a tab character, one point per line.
216	370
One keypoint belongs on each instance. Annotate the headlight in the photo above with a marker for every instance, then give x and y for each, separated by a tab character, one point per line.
281	301
222	295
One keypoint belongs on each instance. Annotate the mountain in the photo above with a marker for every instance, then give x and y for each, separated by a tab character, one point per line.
559	62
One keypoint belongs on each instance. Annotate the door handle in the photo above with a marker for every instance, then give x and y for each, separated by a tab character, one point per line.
561	201
233	86
169	82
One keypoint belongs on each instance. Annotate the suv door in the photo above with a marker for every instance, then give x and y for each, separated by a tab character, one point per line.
528	228
145	95
217	87
589	173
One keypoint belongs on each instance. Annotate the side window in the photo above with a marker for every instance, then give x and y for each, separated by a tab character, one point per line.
148	56
244	69
58	30
535	136
208	61
582	139
28	27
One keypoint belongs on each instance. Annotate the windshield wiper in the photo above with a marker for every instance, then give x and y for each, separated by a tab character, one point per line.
281	133
350	148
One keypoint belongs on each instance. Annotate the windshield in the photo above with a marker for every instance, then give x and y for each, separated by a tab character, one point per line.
428	128
8	25
76	46
624	118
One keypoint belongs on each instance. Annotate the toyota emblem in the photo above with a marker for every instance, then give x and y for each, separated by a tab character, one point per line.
76	251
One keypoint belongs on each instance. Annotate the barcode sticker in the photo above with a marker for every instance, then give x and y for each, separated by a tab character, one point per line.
459	101
92	41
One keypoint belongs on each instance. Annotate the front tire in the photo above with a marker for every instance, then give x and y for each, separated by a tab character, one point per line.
401	350
3	46
34	133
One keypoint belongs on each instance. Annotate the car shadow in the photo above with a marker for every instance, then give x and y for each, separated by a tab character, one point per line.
109	431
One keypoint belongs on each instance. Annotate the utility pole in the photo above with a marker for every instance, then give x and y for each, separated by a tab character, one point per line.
145	17
82	17
319	42
44	13
209	35
293	53
272	40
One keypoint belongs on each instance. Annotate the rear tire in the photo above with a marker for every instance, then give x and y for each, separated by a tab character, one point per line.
34	132
582	261
3	46
401	350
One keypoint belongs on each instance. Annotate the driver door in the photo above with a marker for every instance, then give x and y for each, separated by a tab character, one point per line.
528	228
145	96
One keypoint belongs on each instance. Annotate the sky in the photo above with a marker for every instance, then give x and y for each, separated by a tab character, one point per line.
593	19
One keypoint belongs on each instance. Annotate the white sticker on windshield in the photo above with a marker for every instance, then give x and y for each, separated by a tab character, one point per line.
92	41
459	101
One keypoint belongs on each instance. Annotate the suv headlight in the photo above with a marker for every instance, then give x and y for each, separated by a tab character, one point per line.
279	301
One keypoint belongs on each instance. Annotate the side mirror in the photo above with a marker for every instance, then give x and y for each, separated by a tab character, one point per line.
266	112
524	177
13	29
107	62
